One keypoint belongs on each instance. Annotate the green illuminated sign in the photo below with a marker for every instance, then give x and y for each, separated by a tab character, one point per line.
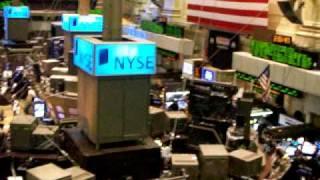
174	31
152	27
8	3
281	54
274	86
95	11
169	30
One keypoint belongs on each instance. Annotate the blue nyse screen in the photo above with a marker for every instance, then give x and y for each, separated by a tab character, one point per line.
83	55
82	23
17	12
115	59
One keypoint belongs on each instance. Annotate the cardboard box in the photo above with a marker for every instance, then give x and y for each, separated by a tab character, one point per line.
188	162
158	121
80	174
214	161
21	129
244	163
48	172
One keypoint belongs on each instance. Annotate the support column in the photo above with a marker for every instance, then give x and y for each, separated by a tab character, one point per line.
15	2
307	35
112	14
84	7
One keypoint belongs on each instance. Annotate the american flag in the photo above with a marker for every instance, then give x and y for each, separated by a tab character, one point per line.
229	15
265	82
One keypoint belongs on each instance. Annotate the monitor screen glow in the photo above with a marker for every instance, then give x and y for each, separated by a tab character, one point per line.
308	148
179	97
208	75
187	69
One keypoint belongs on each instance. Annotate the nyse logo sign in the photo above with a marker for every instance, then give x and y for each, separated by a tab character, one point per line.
19	12
115	58
82	23
125	59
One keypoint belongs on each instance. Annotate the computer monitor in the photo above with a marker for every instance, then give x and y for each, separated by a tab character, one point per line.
308	148
291	150
187	69
208	75
39	108
179	97
285	120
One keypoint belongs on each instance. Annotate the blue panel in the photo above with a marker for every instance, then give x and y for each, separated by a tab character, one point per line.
208	75
118	59
83	55
125	59
79	23
17	12
135	32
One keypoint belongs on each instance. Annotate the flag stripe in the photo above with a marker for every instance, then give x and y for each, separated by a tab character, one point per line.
256	1
237	5
231	15
262	14
234	27
230	18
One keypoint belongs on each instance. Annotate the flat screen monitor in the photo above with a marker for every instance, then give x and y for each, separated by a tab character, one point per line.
187	69
208	75
285	120
308	148
291	150
179	97
39	108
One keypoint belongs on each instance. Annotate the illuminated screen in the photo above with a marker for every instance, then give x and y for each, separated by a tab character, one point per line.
187	68
208	75
308	148
135	32
18	12
39	108
179	97
83	55
291	150
80	23
116	59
